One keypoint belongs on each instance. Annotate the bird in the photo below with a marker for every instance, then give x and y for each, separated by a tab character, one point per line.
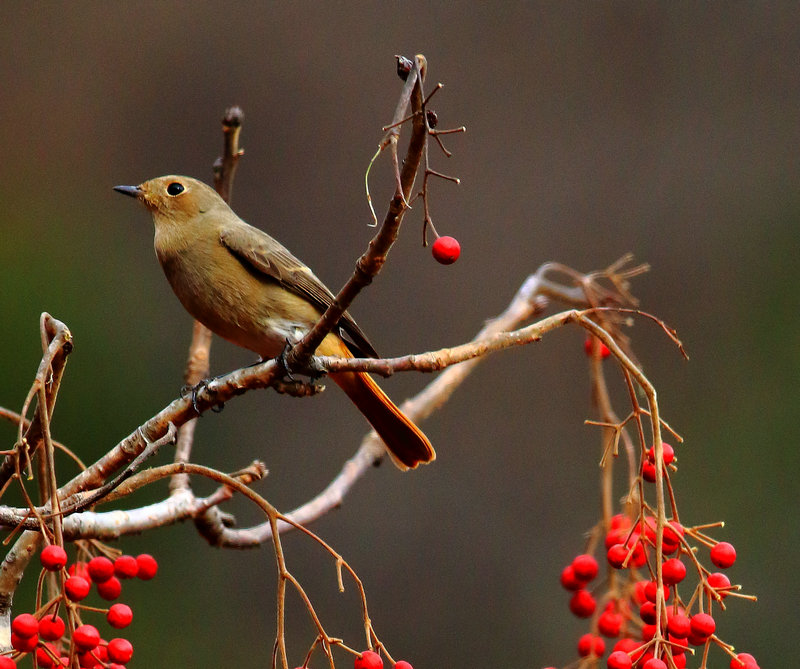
247	288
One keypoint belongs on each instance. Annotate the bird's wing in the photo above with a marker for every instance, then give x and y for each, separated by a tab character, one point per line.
260	252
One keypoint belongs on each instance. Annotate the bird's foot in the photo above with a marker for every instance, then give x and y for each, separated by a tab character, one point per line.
195	390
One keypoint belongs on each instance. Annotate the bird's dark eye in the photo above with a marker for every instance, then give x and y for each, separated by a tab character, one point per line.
175	188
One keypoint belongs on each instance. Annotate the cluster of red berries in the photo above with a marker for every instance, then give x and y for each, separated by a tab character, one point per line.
46	634
369	659
629	612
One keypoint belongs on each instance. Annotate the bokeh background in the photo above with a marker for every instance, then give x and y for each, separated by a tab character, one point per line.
666	129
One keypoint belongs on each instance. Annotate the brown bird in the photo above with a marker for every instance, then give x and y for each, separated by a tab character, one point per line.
247	288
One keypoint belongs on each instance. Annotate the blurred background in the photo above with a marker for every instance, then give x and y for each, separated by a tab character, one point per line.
666	129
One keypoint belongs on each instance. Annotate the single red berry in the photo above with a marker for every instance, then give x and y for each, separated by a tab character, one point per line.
723	554
744	661
651	590
86	637
78	569
88	659
51	628
7	663
569	579
669	453
678	625
120	650
585	567
110	589
616	555
655	663
43	658
100	569
582	604
647	612
119	615
673	532
148	566
720	583
589	644
619	660
673	571
679	659
369	659
609	624
402	664
649	472
24	644
628	645
25	625
77	588
53	557
648	632
125	566
591	342
702	625
446	250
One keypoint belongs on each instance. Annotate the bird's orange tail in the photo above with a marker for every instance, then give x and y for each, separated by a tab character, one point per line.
405	442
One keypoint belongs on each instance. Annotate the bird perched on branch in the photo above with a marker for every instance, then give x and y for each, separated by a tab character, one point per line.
247	288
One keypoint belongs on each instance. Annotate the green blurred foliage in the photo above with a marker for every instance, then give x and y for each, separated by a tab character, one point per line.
667	129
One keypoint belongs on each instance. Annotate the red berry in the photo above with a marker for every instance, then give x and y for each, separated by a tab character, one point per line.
649	472
125	566
86	637
744	661
24	644
719	582
589	644
110	589
77	588
616	555
648	632
100	569
669	453
591	342
88	659
723	555
702	625
647	612
7	663
585	567
619	660
147	566
673	571
569	579
51	628
609	624
446	250
53	557
402	664
655	663
369	659
120	650
119	615
678	625
25	625
78	569
582	604
651	590
43	658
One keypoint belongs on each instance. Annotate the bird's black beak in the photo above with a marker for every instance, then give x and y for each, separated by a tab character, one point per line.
133	191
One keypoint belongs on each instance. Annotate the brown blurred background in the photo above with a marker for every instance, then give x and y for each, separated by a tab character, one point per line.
666	129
